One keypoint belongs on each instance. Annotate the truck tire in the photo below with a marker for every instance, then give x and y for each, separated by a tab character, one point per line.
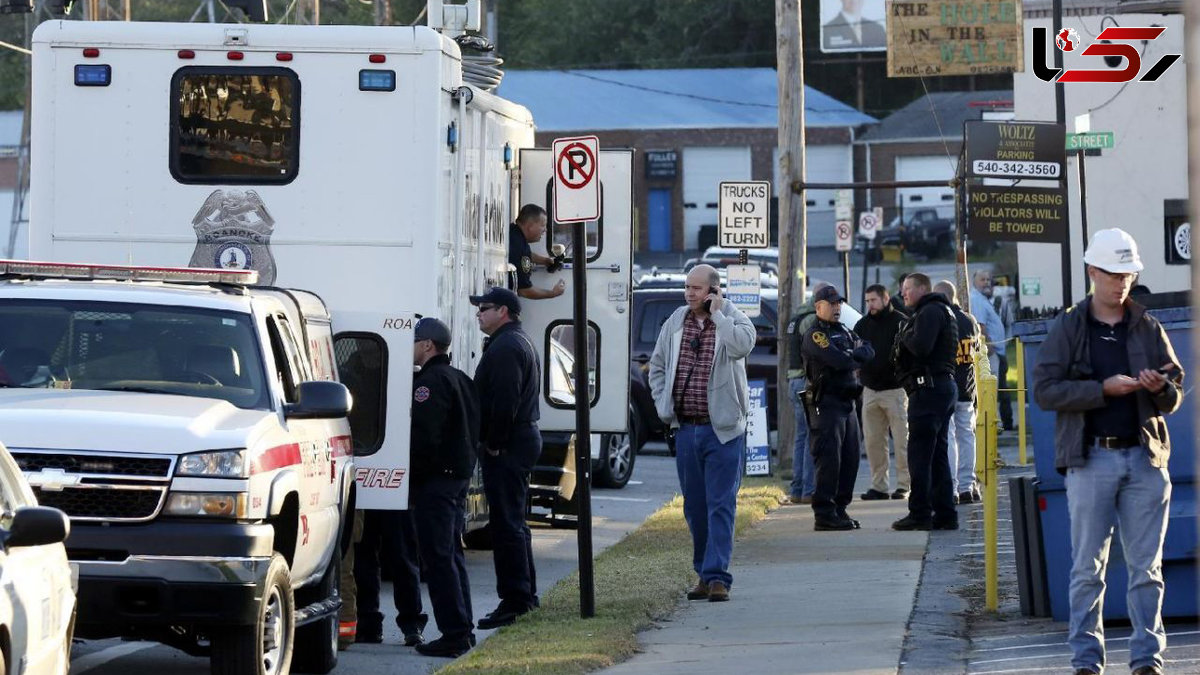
317	642
618	454
265	647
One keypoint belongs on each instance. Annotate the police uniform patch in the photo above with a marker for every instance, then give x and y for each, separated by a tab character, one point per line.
421	394
526	264
821	339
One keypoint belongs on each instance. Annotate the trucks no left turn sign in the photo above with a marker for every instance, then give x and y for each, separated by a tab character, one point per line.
576	185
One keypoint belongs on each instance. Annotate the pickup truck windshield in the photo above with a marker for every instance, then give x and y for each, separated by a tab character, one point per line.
113	346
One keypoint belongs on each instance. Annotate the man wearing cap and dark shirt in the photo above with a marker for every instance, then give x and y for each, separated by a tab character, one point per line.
1109	372
445	432
832	356
529	227
509	387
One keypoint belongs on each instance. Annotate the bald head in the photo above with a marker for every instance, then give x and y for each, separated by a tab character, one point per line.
701	282
947	289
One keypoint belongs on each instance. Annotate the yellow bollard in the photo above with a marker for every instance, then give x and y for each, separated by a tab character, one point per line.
987	438
1022	457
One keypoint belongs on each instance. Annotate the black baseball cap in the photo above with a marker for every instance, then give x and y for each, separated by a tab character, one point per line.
828	294
430	328
501	297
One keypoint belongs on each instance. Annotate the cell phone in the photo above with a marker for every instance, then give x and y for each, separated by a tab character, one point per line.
708	303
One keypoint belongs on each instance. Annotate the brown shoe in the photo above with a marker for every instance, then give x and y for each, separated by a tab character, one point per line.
717	592
700	592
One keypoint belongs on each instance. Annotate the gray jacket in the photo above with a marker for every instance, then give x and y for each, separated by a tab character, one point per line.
728	398
1063	382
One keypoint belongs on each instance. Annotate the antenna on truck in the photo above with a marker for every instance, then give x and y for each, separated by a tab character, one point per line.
481	67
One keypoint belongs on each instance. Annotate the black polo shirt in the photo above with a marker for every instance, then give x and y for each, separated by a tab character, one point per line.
520	256
1110	356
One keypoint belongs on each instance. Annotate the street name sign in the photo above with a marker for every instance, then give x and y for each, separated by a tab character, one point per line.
1094	140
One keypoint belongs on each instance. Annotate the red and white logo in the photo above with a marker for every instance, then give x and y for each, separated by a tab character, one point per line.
1114	41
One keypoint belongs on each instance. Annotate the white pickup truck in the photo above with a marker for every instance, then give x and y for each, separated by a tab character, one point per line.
192	427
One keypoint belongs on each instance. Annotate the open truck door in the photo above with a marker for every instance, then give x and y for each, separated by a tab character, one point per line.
609	259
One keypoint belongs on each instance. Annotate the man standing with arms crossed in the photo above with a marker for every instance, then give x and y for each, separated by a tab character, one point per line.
445	432
698	380
1109	372
884	403
927	347
509	386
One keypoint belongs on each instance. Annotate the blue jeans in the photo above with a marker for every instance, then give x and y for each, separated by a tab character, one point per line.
710	473
1117	487
802	460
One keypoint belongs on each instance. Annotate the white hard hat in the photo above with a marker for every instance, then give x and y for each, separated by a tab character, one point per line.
1113	250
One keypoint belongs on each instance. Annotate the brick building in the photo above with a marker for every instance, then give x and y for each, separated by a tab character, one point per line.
690	129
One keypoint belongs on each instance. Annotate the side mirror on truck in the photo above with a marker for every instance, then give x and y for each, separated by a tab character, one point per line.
320	399
37	526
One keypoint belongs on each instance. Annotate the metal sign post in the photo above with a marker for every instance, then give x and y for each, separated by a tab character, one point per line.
577	200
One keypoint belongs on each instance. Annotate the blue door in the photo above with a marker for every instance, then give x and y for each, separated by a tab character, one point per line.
660	220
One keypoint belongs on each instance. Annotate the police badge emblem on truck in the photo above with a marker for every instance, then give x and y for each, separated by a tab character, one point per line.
233	231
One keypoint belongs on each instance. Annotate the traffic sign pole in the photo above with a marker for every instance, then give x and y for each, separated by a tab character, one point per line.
583	426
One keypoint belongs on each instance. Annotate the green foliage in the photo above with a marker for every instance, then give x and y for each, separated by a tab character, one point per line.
571	34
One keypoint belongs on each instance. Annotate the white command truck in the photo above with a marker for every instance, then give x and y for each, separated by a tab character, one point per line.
191	426
355	161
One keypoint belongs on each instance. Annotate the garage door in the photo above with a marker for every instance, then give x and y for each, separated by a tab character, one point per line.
824	164
703	171
926	168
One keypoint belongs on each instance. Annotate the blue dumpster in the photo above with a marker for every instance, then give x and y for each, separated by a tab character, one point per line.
1179	550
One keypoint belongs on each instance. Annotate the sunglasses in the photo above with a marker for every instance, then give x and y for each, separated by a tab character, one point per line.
484	308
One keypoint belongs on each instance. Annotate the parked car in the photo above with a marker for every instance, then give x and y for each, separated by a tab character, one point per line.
926	231
37	584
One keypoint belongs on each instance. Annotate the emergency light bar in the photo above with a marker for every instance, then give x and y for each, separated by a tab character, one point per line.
196	275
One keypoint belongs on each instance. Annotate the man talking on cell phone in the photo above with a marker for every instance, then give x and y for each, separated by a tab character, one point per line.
698	380
1109	372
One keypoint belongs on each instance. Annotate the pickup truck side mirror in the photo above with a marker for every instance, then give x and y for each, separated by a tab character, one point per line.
320	399
37	526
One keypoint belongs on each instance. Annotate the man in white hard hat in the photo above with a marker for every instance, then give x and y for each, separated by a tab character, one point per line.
1108	370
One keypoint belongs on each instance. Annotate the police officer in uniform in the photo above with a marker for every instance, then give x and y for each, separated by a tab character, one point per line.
445	432
530	227
832	355
925	355
509	387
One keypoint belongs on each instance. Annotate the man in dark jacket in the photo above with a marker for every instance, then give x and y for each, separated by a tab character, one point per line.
832	357
1109	372
445	432
884	403
961	439
527	229
803	469
926	351
509	387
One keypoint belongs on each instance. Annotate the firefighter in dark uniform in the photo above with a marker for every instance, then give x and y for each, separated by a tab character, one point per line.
509	385
445	432
925	355
832	356
530	227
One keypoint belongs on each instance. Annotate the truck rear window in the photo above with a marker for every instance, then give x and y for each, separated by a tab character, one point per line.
235	125
114	346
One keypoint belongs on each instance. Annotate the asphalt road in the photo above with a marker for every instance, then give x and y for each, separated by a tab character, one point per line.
615	513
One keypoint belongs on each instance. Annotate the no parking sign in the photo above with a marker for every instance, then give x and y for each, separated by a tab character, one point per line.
576	185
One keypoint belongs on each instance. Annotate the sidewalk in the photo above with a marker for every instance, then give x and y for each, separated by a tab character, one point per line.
801	602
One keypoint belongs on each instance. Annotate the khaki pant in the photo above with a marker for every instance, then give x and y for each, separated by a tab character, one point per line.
883	410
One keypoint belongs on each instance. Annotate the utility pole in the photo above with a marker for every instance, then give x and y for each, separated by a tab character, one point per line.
383	12
793	224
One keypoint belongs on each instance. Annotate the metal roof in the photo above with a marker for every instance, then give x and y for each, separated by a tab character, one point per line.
708	98
917	122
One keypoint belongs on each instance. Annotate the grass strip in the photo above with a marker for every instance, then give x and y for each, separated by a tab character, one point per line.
638	580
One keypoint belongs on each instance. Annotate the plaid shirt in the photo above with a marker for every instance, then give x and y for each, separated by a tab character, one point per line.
695	365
